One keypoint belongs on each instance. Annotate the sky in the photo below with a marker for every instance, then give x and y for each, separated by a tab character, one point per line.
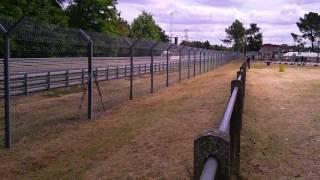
207	19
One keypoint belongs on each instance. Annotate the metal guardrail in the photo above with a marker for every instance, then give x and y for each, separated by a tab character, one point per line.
23	84
216	151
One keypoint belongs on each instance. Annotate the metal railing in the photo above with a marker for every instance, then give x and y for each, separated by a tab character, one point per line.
25	83
216	151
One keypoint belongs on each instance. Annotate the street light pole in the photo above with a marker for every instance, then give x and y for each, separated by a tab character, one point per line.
171	15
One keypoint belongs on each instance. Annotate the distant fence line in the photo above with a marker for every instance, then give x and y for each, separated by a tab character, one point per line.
36	57
217	150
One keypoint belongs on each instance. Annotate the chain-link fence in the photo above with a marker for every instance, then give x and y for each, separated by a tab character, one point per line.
52	76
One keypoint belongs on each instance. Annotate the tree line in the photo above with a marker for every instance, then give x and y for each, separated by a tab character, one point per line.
90	15
238	38
205	45
103	16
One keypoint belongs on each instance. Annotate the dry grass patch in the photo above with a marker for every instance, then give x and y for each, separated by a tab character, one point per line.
149	137
281	136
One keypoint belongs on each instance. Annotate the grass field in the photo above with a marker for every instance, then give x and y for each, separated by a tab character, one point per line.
39	113
152	136
281	137
149	137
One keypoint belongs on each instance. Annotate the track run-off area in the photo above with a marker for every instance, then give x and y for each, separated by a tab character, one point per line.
151	137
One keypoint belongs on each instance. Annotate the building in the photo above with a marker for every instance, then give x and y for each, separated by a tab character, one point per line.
309	56
273	51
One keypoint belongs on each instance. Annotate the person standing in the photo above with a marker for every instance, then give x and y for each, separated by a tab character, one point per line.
302	60
248	62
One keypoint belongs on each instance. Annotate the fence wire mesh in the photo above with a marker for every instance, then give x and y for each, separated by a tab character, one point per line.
49	73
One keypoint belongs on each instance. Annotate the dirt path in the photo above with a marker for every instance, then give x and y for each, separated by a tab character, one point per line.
281	137
149	137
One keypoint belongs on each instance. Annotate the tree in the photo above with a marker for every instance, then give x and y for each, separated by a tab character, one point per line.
122	27
97	15
254	38
197	44
144	26
309	26
163	36
206	45
298	40
220	48
235	35
48	11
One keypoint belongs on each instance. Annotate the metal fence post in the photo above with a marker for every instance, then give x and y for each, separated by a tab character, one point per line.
180	50
117	72
107	73
7	88
200	61
208	62
131	67
49	80
89	81
214	60
151	70
167	70
131	75
145	68
205	61
7	91
26	84
139	70
218	56
194	63
125	71
189	62
67	78
211	60
217	60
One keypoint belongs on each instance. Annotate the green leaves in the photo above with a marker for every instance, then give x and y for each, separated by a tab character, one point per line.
309	26
240	37
144	26
236	34
90	15
45	10
254	38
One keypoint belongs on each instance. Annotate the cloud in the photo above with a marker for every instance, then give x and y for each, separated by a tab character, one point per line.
223	3
207	19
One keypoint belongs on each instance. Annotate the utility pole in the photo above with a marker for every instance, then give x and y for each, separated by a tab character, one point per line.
171	15
186	37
